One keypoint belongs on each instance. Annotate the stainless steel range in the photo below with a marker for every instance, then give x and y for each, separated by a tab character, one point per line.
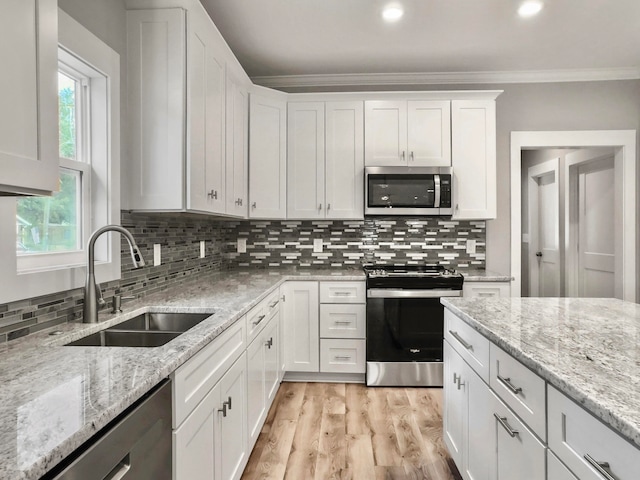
405	323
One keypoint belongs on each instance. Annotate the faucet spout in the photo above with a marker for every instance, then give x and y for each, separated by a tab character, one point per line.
91	288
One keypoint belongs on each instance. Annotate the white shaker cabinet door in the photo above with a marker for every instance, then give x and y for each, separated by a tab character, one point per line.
28	98
301	327
429	133
305	160
454	404
267	157
473	158
344	160
255	388
206	117
385	135
237	164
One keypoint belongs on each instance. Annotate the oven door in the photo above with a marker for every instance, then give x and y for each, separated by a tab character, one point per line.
405	331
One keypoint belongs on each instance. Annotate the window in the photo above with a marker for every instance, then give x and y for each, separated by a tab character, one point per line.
52	231
42	249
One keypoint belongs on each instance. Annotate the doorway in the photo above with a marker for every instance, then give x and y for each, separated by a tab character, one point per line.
584	198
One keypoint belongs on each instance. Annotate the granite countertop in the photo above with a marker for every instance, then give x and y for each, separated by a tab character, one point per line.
54	398
477	275
587	348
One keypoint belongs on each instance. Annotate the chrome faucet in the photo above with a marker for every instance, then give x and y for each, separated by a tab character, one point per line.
92	289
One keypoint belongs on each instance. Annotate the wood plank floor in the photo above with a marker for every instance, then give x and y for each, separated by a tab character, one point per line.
320	431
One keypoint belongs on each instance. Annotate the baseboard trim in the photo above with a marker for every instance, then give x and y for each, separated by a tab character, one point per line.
324	377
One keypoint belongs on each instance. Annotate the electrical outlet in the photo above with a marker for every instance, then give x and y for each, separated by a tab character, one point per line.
471	246
242	245
157	254
202	251
317	245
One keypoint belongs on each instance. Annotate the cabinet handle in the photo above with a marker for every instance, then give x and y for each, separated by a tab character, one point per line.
228	402
320	207
466	345
342	357
240	201
269	343
507	427
411	156
254	205
328	207
213	194
274	304
282	298
603	468
455	378
507	383
342	294
460	382
343	322
260	318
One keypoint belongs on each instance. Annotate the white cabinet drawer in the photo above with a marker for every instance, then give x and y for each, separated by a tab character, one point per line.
575	436
342	356
556	470
342	292
469	343
486	289
342	320
193	380
521	389
259	315
520	454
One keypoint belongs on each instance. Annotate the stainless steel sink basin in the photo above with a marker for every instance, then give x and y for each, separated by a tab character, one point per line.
111	338
151	329
163	322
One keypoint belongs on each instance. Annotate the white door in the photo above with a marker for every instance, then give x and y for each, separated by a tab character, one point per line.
385	135
344	160
544	230
596	227
305	160
302	326
267	157
429	133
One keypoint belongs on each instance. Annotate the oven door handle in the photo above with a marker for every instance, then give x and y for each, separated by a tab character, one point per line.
431	293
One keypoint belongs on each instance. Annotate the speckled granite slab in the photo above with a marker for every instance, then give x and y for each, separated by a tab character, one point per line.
54	398
475	275
587	348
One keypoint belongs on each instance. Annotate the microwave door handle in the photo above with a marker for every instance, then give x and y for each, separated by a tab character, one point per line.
436	180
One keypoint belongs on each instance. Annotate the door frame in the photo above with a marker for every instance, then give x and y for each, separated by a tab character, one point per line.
625	157
537	171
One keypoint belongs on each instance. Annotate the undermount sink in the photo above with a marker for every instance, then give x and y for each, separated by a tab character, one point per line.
151	329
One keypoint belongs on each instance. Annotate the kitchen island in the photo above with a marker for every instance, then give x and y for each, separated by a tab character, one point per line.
55	397
585	351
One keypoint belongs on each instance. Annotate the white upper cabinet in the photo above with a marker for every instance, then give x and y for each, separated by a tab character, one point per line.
305	153
344	160
325	160
188	139
237	147
407	133
28	98
205	117
474	159
267	156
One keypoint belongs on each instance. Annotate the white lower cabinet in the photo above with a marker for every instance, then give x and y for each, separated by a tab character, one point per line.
212	442
590	449
301	326
486	289
342	355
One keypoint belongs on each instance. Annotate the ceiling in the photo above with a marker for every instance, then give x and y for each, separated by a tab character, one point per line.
345	41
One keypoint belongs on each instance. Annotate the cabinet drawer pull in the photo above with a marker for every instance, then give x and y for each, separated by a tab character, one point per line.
507	427
507	383
269	343
342	294
225	405
343	322
466	345
271	305
260	318
603	468
342	357
213	194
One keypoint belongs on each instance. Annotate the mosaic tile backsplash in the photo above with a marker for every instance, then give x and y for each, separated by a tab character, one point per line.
286	243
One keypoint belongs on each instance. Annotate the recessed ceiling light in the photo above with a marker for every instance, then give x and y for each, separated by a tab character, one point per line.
529	8
392	13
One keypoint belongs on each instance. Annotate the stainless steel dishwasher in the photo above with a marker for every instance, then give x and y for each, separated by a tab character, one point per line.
135	446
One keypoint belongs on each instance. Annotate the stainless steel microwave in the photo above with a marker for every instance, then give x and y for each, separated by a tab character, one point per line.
408	190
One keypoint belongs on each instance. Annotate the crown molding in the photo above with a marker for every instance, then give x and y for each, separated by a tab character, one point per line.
445	78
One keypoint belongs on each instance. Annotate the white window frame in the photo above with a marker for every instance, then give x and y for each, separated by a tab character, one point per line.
18	278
